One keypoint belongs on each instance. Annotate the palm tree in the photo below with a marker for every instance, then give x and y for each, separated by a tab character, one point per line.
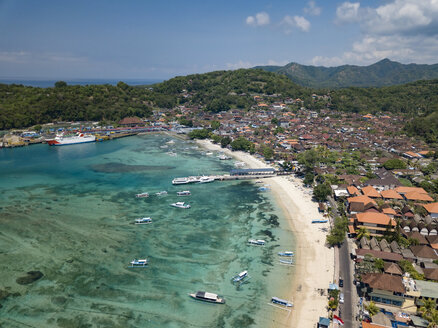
372	309
427	309
362	232
433	322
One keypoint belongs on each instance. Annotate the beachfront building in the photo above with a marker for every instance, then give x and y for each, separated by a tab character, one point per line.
360	204
376	223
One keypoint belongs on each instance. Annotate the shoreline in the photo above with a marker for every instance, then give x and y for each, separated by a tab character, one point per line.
314	262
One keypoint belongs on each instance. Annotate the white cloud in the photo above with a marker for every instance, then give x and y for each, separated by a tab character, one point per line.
289	23
312	9
260	19
348	12
239	64
402	30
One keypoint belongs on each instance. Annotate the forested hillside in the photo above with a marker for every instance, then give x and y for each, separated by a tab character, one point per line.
22	106
382	73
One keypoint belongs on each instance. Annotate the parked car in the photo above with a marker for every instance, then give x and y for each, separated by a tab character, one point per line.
341	282
341	298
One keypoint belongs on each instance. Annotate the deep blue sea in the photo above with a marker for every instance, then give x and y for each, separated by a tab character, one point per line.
68	212
51	83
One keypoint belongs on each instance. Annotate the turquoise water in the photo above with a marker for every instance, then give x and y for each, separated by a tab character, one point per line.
68	211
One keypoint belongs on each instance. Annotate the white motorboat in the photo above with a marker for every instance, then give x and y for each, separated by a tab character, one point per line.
142	195
206	179
138	263
161	193
207	297
259	242
180	205
183	193
240	277
178	181
223	157
143	221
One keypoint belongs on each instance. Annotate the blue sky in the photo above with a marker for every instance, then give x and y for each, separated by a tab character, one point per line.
161	39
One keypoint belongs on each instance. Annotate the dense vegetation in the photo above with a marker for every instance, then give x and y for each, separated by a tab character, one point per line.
222	90
22	106
382	73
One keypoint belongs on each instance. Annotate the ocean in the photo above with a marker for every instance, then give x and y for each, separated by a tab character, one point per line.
51	83
68	213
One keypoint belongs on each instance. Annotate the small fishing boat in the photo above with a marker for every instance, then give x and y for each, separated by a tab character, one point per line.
207	297
241	277
138	263
142	195
319	221
180	205
161	193
286	253
259	242
287	262
209	153
263	189
223	157
280	301
143	221
183	193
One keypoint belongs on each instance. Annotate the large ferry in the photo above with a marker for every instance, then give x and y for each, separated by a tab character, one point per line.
62	140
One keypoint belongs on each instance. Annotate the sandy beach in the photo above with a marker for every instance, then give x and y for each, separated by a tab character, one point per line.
314	261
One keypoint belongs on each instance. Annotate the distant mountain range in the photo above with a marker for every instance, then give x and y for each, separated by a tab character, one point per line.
382	73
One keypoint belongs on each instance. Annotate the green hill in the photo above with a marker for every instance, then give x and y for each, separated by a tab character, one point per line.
382	73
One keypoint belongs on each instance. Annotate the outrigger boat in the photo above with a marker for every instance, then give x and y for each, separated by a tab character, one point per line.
259	242
287	262
180	205
138	263
319	221
183	193
279	301
142	195
207	297
286	253
241	277
143	221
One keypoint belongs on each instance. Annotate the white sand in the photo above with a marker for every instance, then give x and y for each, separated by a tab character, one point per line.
314	261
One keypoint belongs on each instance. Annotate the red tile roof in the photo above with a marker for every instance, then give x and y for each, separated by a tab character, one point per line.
375	218
370	192
390	194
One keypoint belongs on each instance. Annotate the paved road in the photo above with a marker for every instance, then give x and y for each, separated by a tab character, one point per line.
348	289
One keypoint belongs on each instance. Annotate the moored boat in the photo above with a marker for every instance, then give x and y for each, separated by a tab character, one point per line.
161	193
287	262
286	253
207	297
143	221
259	242
138	263
178	181
63	140
319	221
223	157
205	179
183	193
142	195
280	301
240	277
180	205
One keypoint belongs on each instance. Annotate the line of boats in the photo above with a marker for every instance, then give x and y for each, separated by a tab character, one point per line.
163	193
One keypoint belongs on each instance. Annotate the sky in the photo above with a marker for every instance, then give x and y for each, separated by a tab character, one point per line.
145	39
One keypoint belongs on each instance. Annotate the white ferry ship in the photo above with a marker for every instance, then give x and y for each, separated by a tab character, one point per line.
62	140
